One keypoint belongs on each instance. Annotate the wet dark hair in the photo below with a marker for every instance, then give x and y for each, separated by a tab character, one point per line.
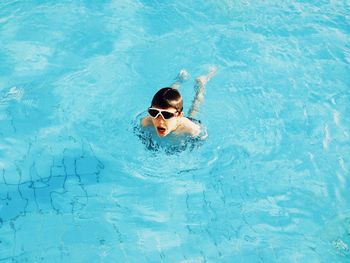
168	97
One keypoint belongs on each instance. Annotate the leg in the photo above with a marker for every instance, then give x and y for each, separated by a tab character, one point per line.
180	78
201	81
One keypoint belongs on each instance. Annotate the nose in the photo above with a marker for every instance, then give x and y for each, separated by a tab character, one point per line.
160	117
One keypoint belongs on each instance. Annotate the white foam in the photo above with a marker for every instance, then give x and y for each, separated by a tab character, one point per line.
13	94
342	164
336	117
326	138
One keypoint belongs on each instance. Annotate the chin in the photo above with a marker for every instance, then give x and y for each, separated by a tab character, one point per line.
162	134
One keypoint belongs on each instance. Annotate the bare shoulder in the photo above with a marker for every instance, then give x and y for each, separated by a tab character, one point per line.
146	121
187	126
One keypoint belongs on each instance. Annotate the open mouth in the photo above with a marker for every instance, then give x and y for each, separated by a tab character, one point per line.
161	130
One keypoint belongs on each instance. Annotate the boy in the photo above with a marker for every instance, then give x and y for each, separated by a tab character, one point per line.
166	111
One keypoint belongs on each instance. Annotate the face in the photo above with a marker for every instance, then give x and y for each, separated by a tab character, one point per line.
165	126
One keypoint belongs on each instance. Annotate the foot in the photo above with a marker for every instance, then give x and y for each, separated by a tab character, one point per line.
180	78
202	80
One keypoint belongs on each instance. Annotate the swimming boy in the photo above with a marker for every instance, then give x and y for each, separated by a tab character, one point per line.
166	111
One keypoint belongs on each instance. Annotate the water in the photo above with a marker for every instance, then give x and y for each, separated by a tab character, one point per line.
270	183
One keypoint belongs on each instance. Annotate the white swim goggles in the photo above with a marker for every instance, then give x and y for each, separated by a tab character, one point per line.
154	112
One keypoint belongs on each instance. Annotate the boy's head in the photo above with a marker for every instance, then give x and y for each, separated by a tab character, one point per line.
165	110
168	98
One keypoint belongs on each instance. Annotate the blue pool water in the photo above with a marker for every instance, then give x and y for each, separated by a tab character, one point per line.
269	184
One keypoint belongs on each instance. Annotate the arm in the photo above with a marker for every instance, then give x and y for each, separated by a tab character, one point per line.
188	127
146	121
195	129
